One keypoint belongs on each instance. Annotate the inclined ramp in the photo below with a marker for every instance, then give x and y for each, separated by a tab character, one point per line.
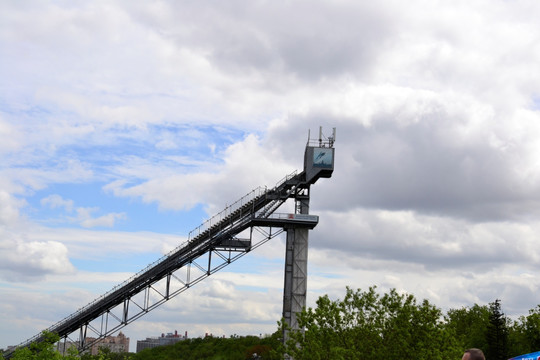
217	234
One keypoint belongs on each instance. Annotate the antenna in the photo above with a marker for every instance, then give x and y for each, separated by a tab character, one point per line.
322	141
332	138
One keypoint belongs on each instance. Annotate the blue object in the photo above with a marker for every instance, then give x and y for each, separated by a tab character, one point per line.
531	356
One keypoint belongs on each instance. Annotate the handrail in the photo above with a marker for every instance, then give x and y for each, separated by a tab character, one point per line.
225	213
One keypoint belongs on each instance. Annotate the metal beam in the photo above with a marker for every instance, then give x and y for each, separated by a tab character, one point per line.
296	258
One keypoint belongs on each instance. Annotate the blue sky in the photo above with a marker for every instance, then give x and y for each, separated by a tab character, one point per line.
124	125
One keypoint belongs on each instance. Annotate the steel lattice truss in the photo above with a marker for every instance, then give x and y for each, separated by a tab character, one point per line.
173	284
212	246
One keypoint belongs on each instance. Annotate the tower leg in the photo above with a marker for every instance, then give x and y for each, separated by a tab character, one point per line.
296	257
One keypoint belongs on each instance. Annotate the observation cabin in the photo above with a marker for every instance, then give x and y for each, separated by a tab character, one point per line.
319	157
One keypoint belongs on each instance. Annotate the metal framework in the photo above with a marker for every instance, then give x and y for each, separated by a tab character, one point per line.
211	247
296	258
173	284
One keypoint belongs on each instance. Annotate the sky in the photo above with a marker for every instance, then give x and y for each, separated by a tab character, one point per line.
125	124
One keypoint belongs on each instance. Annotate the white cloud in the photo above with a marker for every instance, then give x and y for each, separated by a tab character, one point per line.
247	165
56	201
433	242
107	220
93	245
11	137
32	260
84	214
84	217
9	208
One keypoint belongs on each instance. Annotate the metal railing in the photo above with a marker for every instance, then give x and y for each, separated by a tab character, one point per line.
228	211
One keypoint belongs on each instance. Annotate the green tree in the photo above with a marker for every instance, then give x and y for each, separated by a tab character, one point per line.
104	353
524	334
497	333
213	348
44	349
532	327
469	326
368	326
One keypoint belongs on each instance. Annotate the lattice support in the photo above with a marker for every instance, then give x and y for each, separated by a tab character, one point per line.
296	258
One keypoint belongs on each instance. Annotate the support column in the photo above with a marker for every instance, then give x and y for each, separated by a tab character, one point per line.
296	256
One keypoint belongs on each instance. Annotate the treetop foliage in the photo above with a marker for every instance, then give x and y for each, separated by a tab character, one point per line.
366	325
363	325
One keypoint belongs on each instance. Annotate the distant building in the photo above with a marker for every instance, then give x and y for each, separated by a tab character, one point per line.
116	344
153	342
63	346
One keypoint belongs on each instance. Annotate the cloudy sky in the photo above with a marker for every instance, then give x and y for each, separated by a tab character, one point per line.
125	124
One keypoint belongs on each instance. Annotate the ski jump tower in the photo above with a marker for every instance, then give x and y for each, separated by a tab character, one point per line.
318	162
240	228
